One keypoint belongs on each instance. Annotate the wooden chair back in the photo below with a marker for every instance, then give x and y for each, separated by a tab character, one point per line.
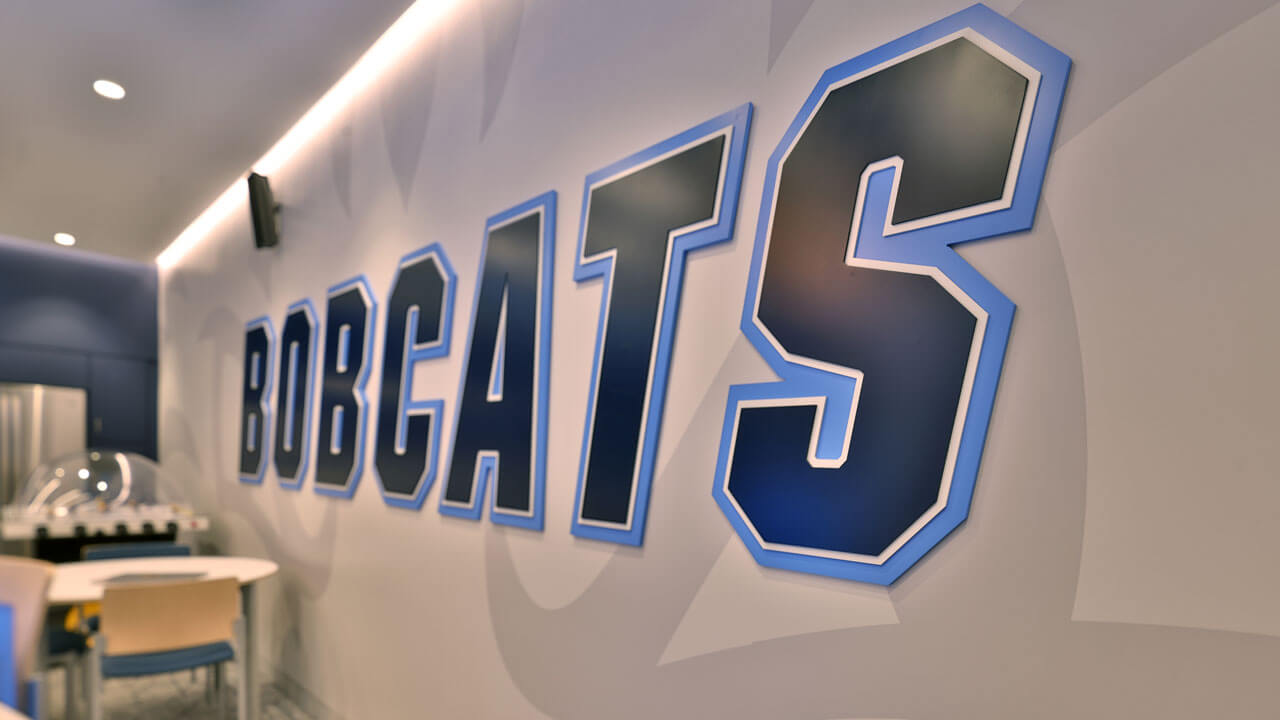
156	617
23	584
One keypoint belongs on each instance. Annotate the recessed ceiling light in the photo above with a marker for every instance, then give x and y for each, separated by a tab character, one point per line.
108	89
66	239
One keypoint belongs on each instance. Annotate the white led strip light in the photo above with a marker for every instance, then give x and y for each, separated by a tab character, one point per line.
384	54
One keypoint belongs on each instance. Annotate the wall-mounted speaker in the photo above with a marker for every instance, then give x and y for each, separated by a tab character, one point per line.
263	208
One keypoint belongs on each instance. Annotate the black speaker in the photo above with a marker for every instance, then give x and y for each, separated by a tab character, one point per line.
263	208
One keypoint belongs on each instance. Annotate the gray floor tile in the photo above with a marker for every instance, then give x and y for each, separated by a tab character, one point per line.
162	697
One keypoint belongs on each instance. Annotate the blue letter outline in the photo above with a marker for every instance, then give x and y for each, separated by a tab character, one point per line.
264	403
348	490
921	244
413	353
735	126
305	393
487	461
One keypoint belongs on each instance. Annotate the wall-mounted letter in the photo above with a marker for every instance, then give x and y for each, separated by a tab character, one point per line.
294	397
259	337
888	344
348	345
419	325
501	431
642	216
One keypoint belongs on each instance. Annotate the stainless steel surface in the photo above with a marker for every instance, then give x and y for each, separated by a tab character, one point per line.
37	423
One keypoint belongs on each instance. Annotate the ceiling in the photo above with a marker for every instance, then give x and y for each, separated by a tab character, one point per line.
211	86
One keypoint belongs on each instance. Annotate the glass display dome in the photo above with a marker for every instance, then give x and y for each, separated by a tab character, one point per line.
96	480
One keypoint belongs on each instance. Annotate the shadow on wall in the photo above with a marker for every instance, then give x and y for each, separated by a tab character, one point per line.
985	619
304	558
986	625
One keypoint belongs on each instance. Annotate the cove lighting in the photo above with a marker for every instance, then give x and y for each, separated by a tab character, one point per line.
108	89
64	239
385	53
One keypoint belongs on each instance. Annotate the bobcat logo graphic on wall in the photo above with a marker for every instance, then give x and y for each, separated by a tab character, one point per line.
888	346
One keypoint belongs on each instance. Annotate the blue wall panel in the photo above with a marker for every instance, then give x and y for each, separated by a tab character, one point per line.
79	319
45	366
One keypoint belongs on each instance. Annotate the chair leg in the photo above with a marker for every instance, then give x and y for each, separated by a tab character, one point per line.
86	684
242	674
69	690
36	690
94	689
222	694
242	693
219	687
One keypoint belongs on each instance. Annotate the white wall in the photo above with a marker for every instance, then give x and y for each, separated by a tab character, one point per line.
1119	560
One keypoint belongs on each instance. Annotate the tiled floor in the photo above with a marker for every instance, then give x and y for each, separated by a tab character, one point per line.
163	697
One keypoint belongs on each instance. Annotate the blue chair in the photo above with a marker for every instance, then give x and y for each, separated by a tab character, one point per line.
151	629
8	660
65	646
23	584
119	551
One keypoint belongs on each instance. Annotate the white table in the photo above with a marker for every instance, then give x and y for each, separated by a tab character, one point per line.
8	713
82	582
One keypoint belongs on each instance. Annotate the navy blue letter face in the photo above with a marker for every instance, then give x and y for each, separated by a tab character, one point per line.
293	402
888	345
501	432
258	340
419	319
641	216
347	347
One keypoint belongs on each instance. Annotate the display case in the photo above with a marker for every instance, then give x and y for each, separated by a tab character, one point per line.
97	495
